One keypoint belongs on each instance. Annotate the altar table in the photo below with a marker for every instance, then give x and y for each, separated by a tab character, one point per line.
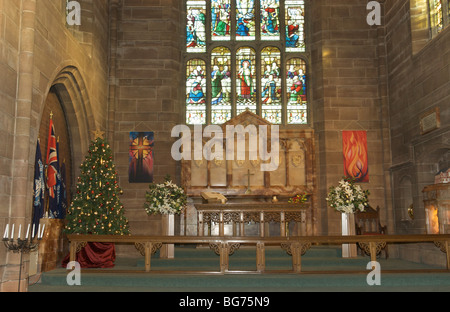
239	214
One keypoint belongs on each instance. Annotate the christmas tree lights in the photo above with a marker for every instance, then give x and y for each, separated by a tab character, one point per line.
96	207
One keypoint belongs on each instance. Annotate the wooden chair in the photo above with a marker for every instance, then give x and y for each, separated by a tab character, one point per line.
368	223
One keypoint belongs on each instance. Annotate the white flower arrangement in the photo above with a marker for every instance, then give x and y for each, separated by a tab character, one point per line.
348	197
165	198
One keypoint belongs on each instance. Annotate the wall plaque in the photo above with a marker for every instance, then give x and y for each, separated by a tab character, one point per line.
430	121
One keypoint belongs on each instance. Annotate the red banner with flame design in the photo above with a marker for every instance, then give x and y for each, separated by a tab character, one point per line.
356	163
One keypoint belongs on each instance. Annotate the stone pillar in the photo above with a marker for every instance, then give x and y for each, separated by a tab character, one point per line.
113	80
21	184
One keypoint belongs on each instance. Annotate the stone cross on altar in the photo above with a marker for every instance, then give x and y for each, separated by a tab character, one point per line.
248	191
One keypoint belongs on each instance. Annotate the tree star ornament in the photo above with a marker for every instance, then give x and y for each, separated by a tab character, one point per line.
98	134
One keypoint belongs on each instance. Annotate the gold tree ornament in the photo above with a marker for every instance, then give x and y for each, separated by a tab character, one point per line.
98	134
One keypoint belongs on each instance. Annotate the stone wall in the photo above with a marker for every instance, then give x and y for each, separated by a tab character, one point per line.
39	50
349	93
122	71
148	75
419	83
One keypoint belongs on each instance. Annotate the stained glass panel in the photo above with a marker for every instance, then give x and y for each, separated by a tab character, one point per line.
196	26
271	84
246	82
220	20
270	19
296	91
245	20
220	85
195	92
295	26
243	73
438	16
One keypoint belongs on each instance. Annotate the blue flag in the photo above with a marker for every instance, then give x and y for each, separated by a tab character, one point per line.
61	192
39	189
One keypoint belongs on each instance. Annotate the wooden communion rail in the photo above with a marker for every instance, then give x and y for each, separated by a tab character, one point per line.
226	246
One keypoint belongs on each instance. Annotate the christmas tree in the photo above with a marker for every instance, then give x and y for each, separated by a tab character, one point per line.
96	207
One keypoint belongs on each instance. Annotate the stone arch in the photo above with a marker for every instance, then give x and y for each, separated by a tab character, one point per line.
68	98
71	90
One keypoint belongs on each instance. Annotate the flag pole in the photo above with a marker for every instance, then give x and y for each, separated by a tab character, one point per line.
47	197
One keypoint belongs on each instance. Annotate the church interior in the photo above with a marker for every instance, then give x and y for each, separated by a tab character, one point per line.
327	74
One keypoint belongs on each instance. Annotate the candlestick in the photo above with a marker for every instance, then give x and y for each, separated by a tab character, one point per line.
42	233
21	245
6	232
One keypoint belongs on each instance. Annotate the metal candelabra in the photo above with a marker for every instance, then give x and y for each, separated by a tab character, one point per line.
27	245
21	246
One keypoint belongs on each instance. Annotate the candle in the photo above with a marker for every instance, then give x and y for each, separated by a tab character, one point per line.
5	236
28	231
32	233
12	232
42	233
20	230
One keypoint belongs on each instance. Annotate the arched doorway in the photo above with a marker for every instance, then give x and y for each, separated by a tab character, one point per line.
67	103
53	110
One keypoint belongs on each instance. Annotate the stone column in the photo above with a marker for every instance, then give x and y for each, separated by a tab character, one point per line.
21	183
115	6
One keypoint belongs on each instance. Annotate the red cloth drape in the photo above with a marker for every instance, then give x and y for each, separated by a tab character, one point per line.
95	255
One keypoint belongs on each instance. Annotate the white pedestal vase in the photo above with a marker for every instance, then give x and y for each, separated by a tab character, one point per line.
168	250
348	228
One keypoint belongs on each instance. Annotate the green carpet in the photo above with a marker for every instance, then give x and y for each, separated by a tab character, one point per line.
349	275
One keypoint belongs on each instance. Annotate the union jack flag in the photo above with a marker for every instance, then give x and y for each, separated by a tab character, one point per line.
52	161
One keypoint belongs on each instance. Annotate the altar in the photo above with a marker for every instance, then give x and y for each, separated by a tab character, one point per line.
252	219
250	208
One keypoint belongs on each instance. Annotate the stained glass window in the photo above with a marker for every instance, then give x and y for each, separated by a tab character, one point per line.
439	11
221	85
297	101
196	26
295	26
246	55
271	85
195	92
437	15
246	79
221	19
270	19
245	20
